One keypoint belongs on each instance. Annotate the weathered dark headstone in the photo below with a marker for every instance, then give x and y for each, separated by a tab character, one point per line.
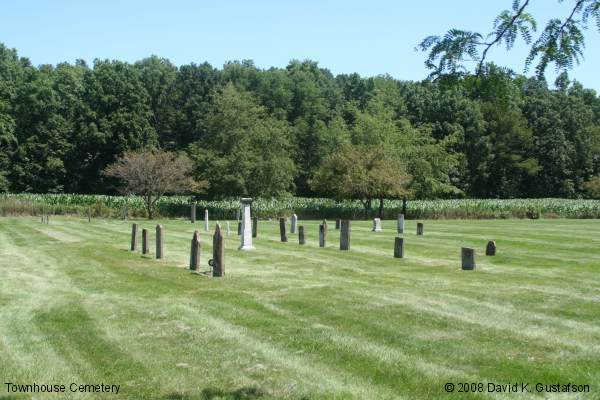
195	252
145	243
337	224
160	249
345	235
322	235
301	234
218	260
468	259
239	227
420	229
399	247
193	213
134	230
490	249
282	230
254	227
400	223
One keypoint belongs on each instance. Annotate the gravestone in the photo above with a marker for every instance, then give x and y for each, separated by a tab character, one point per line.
282	230
218	260
125	212
301	234
345	235
254	227
399	247
145	243
376	225
193	213
239	227
294	220
134	230
400	223
246	225
467	259
490	249
420	229
195	252
205	220
337	224
159	243
322	235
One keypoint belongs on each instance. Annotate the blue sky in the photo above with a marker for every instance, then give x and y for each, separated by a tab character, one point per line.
371	38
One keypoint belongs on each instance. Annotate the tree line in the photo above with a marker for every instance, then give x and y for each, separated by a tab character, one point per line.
298	130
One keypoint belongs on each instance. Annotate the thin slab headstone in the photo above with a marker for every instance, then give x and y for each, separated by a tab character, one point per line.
195	251
467	259
159	243
239	228
134	230
400	223
322	235
254	227
205	220
376	225
490	249
193	213
145	244
345	235
399	247
294	222
337	224
282	230
301	234
218	260
246	225
420	229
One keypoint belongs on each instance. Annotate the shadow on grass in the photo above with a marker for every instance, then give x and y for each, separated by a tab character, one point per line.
248	393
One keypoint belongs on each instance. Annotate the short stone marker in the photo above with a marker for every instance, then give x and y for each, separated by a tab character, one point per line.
322	235
218	261
400	223
205	220
145	244
195	252
134	230
246	225
159	243
376	225
254	227
399	247
420	229
294	222
467	259
193	213
345	235
301	234
337	224
282	230
490	249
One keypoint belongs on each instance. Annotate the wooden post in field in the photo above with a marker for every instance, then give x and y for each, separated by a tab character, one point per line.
159	243
322	235
467	259
282	230
345	235
399	248
195	252
145	243
301	234
134	230
420	229
254	227
218	260
337	224
193	213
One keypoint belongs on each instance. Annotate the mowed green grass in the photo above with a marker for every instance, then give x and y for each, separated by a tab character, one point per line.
301	322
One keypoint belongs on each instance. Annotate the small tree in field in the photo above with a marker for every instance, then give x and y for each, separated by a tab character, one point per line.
363	173
152	173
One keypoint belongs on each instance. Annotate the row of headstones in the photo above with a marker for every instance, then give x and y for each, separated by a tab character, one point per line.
217	262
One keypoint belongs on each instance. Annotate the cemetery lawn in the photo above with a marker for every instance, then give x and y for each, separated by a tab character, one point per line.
300	322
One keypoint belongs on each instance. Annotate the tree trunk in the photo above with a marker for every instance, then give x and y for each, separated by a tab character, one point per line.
149	206
380	215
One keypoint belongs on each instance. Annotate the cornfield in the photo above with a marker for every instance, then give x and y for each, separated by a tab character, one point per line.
307	208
